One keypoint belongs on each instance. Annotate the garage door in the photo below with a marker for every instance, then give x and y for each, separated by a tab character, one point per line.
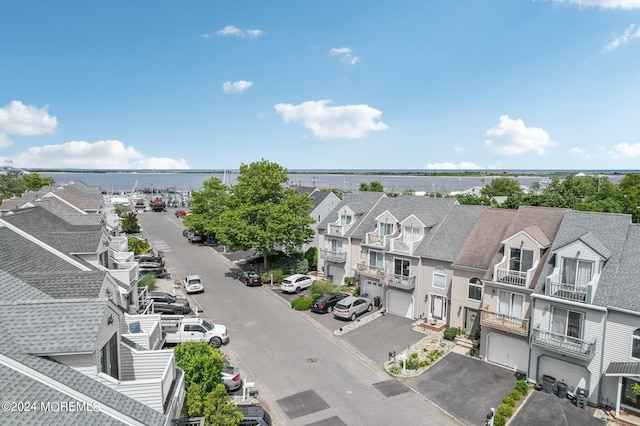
372	288
563	371
508	351
400	303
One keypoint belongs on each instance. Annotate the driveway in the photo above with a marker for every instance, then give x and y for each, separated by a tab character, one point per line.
547	409
464	387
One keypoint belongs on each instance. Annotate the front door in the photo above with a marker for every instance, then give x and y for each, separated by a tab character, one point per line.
438	306
471	321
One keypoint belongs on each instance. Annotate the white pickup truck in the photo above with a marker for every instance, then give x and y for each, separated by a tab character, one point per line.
181	330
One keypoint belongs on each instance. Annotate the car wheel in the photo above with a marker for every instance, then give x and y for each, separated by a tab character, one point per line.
178	311
329	309
353	317
370	308
298	289
215	342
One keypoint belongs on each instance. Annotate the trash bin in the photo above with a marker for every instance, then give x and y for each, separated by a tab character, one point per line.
547	383
581	398
364	295
376	301
562	390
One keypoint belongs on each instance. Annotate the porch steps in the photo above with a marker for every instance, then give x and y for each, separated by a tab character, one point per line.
464	342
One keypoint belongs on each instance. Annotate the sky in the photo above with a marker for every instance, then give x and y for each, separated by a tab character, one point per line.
403	84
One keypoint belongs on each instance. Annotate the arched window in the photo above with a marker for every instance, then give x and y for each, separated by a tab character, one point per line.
475	289
439	277
635	344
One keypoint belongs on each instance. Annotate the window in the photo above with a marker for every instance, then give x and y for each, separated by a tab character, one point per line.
475	289
109	357
411	234
386	229
510	304
401	267
520	260
635	344
376	259
628	396
567	323
345	219
336	246
576	272
439	277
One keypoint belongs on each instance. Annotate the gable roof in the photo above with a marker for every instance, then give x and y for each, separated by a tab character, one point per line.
42	379
66	284
623	291
60	326
13	288
360	202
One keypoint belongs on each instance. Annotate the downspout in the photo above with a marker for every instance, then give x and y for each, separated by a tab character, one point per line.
604	331
533	309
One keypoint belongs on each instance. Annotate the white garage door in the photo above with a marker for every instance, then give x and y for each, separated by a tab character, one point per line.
563	371
372	288
508	351
400	303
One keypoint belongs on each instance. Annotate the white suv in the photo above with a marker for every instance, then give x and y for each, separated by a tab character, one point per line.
296	283
351	307
193	284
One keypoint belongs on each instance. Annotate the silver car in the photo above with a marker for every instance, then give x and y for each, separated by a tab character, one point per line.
352	307
231	377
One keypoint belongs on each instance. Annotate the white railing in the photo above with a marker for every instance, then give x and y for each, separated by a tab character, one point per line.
562	344
503	274
120	244
372	270
505	322
334	256
150	335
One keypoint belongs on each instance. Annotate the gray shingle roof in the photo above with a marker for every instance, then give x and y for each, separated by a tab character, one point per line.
445	241
360	202
13	288
60	326
624	291
60	374
66	284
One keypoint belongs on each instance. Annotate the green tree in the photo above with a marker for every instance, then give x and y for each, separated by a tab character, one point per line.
207	206
501	187
138	246
129	223
262	213
312	258
193	405
219	410
473	199
13	185
201	364
374	186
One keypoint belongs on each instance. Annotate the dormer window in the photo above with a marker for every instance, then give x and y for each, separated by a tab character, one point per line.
411	234
345	219
576	272
520	260
386	229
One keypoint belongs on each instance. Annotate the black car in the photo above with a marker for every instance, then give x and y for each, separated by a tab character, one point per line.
165	303
254	415
152	269
250	278
149	257
325	302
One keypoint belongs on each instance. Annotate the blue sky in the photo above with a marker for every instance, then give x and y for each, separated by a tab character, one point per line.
203	84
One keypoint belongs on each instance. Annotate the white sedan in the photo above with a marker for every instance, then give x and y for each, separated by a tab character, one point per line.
193	284
296	283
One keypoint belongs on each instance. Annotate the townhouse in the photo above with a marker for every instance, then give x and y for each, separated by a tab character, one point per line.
322	204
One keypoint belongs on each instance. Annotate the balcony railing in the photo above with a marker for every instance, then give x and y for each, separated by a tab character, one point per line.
399	281
370	270
125	272
119	244
565	345
575	293
334	256
400	246
375	239
149	335
504	322
336	229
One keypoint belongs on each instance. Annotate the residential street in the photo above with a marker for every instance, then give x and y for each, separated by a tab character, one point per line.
303	373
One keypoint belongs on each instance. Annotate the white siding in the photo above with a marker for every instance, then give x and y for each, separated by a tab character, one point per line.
83	363
586	253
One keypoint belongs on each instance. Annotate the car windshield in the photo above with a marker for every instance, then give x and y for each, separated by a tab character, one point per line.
207	325
171	298
195	281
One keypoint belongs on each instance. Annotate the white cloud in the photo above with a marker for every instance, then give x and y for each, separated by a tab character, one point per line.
465	165
605	4
25	120
457	148
326	122
511	137
345	54
230	30
632	32
236	87
580	152
109	154
625	150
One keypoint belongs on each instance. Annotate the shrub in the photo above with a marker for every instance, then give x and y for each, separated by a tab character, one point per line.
312	258
319	287
395	369
414	355
356	292
348	281
412	364
507	400
450	333
522	387
499	420
301	303
147	281
515	395
278	276
434	354
504	410
344	289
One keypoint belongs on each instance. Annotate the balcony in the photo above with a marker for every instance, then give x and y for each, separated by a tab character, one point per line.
119	244
575	293
377	240
125	272
504	275
369	270
564	345
399	281
337	229
399	246
150	377
149	335
334	256
504	322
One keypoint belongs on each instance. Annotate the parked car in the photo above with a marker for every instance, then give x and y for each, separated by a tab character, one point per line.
255	257
351	307
185	232
254	415
180	213
326	301
296	283
156	270
250	278
166	303
193	284
192	237
149	257
231	377
148	264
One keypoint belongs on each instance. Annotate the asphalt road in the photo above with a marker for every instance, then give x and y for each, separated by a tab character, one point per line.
304	374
